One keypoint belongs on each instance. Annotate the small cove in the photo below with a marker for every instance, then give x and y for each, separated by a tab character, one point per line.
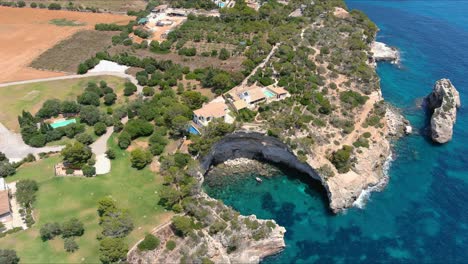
422	215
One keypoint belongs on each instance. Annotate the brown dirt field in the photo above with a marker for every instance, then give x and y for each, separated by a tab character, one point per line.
104	5
25	33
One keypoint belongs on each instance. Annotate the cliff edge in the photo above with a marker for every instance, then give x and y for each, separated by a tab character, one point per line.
443	101
383	52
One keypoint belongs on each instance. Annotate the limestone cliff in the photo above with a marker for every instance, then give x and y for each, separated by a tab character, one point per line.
242	239
382	52
443	102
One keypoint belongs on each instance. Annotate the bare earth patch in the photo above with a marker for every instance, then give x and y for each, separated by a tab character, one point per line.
25	33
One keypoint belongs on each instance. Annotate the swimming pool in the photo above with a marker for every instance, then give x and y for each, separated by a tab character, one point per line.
63	123
193	130
221	4
269	93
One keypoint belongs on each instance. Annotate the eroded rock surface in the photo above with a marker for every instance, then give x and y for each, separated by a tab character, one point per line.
383	52
443	102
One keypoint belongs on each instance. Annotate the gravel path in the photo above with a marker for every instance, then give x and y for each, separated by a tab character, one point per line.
14	147
77	76
16	220
99	147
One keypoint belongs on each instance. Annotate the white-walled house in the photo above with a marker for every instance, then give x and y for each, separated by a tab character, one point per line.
210	111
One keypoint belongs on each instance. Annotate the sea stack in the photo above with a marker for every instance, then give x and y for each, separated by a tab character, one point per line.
443	102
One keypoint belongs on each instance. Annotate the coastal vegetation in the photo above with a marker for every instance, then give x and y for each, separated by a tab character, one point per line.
321	60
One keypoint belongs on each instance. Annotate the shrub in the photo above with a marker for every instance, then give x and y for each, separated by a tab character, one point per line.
76	155
183	225
110	98
89	98
54	6
89	170
148	91
149	243
353	98
26	192
49	231
89	115
110	153
100	128
124	140
20	4
6	169
140	158
170	245
72	227
70	245
224	54
9	256
341	159
112	250
129	89
33	5
108	27
138	128
84	138
116	222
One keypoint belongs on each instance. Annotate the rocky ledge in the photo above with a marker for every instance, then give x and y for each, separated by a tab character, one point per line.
240	239
443	102
383	52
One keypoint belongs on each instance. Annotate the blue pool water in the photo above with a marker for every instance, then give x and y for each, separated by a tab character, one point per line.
63	123
193	130
269	93
422	215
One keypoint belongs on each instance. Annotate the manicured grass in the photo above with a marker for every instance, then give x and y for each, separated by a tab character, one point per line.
61	198
63	22
30	97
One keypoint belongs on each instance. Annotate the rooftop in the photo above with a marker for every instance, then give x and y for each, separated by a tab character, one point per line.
4	202
213	109
256	94
278	90
239	104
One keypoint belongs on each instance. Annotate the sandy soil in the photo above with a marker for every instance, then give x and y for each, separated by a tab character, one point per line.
25	33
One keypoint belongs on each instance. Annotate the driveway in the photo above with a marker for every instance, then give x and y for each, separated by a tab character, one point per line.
14	147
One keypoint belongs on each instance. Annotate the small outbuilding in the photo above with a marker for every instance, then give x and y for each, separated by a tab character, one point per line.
143	21
159	9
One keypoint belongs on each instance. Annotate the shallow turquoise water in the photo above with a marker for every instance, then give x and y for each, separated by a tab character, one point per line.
63	123
422	215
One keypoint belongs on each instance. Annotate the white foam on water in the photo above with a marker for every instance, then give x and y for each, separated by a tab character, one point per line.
364	197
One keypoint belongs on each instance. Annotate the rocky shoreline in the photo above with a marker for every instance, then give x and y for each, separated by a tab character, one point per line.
383	52
245	239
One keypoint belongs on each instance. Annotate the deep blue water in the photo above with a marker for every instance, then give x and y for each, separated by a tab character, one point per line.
422	215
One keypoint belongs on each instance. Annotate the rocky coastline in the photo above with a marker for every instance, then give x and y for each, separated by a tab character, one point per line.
383	52
245	239
342	189
443	102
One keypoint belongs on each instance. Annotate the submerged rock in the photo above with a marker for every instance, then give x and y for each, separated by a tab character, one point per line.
443	102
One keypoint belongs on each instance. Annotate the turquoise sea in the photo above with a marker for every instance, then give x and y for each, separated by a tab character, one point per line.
422	215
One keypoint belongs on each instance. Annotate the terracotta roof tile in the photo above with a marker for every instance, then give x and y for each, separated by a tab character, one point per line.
4	202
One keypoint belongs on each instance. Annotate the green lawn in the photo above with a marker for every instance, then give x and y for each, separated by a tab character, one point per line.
60	198
30	97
